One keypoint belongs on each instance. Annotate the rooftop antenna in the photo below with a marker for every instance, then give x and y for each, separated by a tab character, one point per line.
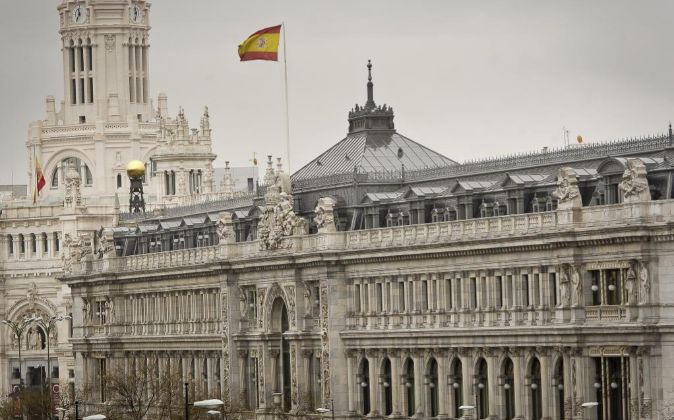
565	133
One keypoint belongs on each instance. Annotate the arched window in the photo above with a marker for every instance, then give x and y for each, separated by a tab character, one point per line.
535	392
456	379
119	180
45	243
82	168
364	385
10	244
482	391
408	383
433	387
508	384
33	244
22	244
387	392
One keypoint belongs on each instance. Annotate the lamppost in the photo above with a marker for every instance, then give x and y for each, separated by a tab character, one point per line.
47	325
18	329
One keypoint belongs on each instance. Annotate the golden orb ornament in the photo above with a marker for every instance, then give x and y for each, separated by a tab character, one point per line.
135	169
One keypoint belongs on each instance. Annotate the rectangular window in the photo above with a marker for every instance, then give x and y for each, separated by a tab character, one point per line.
57	244
102	374
356	298
73	91
424	295
535	290
525	290
403	301
499	292
100	312
448	297
81	93
554	296
459	299
71	59
380	298
473	292
366	297
613	287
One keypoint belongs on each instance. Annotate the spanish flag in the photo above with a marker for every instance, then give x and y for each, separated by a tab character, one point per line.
262	45
39	180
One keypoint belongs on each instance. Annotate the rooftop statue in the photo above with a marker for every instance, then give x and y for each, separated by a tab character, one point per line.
634	186
567	192
325	217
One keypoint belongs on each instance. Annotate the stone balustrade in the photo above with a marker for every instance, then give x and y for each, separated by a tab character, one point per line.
469	230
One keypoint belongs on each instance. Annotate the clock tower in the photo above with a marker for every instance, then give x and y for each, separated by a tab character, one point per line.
105	48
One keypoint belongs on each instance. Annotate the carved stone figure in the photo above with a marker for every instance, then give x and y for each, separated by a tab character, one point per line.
34	339
564	286
105	245
31	295
52	337
243	303
228	181
644	284
567	192
577	283
206	122
73	180
630	280
634	186
109	311
72	252
86	311
225	228
279	221
325	217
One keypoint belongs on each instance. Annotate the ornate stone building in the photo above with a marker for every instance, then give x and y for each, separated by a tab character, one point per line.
382	278
389	280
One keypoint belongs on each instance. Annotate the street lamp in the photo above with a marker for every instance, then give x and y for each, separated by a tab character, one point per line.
47	325
18	328
331	410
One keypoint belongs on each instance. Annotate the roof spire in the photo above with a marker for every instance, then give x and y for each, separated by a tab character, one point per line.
671	140
370	95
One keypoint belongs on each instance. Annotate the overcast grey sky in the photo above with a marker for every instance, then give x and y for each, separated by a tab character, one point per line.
467	79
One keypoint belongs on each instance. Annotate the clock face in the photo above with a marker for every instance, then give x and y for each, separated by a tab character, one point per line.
78	14
136	14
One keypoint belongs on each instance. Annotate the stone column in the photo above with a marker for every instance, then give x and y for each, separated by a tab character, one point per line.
396	388
350	380
373	360
518	383
492	385
308	379
465	355
419	374
243	391
443	368
546	385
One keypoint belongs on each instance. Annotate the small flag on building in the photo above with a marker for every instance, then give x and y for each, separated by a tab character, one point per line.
39	180
262	45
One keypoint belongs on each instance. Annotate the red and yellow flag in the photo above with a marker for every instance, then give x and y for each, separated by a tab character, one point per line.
39	180
262	45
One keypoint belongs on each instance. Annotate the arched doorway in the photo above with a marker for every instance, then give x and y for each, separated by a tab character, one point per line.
280	324
508	389
456	379
364	383
535	391
482	391
408	384
432	387
387	392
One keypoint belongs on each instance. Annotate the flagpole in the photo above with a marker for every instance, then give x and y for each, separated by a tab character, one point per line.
285	76
34	176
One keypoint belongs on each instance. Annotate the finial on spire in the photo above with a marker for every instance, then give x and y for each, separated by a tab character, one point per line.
370	94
